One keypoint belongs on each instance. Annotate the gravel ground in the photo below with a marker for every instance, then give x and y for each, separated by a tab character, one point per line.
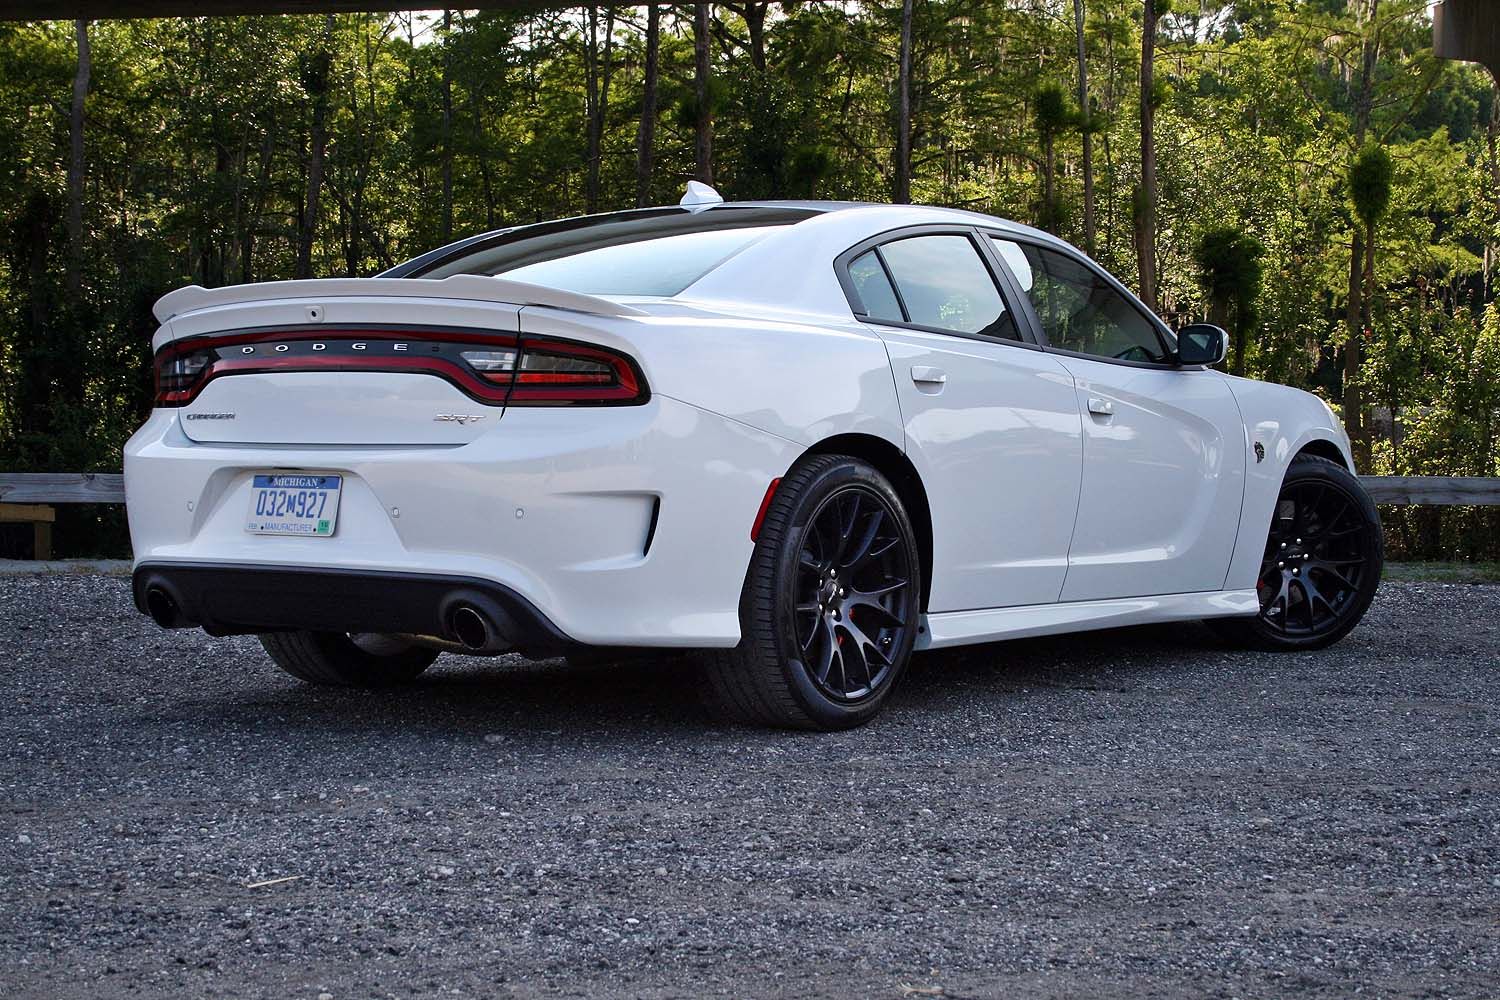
1123	814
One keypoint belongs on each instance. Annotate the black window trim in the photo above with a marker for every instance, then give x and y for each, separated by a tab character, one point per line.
1163	332
446	254
1004	284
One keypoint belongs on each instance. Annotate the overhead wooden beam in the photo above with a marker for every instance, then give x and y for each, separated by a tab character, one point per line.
68	10
1468	30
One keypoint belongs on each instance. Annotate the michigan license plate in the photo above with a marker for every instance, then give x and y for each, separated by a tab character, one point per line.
286	503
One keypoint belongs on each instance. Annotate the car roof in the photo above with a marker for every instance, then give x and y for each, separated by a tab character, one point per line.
867	211
774	272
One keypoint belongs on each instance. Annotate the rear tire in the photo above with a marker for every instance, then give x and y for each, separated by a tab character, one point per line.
830	606
334	658
1322	562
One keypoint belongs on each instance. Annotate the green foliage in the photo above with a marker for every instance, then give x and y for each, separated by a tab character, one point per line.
1370	179
199	144
1229	264
1052	113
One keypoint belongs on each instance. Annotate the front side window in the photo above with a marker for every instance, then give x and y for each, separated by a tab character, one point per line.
944	284
1079	310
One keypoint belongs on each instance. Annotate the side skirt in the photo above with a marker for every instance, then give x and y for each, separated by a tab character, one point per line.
956	628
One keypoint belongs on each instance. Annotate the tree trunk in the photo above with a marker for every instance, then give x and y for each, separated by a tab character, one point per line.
486	181
755	26
73	279
1353	349
645	136
1111	68
901	194
1491	253
606	73
704	131
319	143
1085	117
262	191
1145	207
597	74
591	111
1354	315
1049	187
33	385
447	127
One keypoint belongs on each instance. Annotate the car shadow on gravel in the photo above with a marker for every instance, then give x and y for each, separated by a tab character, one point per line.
659	694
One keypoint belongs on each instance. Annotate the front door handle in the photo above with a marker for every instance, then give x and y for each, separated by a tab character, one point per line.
922	375
1101	407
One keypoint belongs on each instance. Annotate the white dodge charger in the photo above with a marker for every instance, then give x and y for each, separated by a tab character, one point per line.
805	438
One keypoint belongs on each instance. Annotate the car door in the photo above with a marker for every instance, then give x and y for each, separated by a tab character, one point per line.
1163	445
990	420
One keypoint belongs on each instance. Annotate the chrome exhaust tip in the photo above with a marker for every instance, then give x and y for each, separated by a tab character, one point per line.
470	628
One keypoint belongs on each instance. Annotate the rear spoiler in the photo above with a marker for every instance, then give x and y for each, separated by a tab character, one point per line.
476	287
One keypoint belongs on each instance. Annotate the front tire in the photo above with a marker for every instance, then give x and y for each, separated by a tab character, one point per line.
1322	563
830	606
335	658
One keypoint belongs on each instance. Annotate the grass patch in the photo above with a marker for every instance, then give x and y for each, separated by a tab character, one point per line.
1442	572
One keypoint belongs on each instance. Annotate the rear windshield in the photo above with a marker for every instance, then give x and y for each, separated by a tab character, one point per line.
654	252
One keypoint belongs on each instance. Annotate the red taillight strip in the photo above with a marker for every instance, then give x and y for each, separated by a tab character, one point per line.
520	388
542	387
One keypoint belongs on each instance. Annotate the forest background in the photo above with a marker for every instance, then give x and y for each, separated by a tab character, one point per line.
1304	172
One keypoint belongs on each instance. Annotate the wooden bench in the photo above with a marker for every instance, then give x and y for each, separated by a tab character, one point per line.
40	516
27	498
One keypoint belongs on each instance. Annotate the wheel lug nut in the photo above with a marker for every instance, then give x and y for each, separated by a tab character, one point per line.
1283	544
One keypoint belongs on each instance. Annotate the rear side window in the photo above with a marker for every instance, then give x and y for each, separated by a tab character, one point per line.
874	288
944	284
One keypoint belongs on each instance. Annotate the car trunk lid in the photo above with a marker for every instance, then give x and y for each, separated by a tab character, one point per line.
378	361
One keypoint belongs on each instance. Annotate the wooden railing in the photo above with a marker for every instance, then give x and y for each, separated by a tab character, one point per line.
106	487
1434	491
62	487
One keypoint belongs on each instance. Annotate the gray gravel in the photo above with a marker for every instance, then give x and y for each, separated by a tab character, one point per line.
1124	814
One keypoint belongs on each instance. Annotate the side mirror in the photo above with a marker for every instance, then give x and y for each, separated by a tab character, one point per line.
1201	344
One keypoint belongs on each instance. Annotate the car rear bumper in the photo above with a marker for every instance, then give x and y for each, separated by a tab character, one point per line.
623	526
227	599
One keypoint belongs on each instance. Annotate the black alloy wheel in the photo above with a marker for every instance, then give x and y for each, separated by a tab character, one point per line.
853	593
831	604
1322	561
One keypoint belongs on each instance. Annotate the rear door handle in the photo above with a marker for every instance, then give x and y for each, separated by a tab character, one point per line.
1101	407
922	375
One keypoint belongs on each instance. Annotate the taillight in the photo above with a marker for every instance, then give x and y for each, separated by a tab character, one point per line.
178	375
553	372
495	366
491	368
